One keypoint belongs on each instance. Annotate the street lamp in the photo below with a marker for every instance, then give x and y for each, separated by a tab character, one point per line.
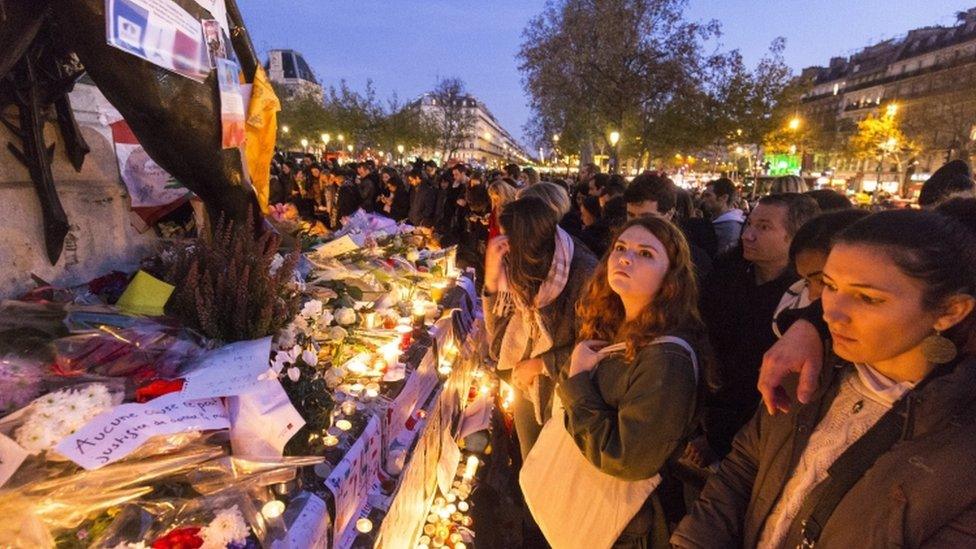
614	139
341	138
794	124
349	148
305	144
284	129
325	140
400	150
891	110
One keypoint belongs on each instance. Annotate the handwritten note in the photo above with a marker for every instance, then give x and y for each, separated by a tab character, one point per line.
262	421
309	529
145	295
230	370
448	463
352	478
11	456
339	246
112	435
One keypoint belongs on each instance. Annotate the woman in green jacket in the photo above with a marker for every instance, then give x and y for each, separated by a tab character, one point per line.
632	404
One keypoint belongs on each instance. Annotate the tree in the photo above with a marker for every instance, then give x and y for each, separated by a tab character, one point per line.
633	66
880	138
453	118
760	103
304	116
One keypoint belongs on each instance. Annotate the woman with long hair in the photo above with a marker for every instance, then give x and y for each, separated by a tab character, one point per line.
882	454
632	394
500	193
534	274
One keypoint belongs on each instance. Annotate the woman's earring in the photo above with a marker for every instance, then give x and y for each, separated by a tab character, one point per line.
938	349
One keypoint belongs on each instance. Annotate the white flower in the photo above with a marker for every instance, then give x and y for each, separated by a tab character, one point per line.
309	357
345	316
326	318
57	415
294	373
337	333
312	309
286	337
279	362
276	264
227	527
333	376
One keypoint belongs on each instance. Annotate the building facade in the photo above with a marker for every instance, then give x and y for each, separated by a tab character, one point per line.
928	74
487	144
289	69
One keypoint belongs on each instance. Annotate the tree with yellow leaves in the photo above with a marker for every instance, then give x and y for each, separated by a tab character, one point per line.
879	137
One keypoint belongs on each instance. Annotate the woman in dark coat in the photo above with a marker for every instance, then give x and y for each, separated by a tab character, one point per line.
890	432
632	404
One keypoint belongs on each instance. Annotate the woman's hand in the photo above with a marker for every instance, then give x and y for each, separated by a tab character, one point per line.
525	372
586	356
494	265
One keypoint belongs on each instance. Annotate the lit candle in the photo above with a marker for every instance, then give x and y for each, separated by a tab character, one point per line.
470	468
356	389
364	526
437	290
419	312
273	509
463	506
372	391
371	320
390	353
356	366
330	440
348	407
343	424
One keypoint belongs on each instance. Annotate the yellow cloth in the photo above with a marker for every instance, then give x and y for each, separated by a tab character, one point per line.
145	295
261	129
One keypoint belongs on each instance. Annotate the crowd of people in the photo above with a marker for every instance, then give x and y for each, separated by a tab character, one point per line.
779	372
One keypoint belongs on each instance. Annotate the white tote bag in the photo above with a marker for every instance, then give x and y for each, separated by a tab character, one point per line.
576	505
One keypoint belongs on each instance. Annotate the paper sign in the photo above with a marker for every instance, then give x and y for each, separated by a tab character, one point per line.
262	421
11	456
340	246
309	529
352	478
233	369
145	295
159	31
112	435
448	463
231	104
152	191
218	10
477	416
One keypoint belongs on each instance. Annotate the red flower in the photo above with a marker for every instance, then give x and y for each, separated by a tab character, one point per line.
158	388
181	538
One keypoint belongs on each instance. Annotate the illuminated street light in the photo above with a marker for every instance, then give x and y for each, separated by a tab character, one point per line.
795	123
555	138
892	109
400	149
284	129
349	148
487	136
325	139
614	138
305	144
341	138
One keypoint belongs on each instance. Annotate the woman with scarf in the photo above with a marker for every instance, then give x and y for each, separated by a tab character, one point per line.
881	455
534	274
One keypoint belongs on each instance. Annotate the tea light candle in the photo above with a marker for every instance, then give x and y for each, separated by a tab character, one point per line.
470	468
371	320
273	509
356	389
364	526
343	424
330	440
372	390
348	407
437	290
419	312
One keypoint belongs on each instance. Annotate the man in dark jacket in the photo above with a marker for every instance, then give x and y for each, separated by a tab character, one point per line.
656	194
423	200
737	304
368	184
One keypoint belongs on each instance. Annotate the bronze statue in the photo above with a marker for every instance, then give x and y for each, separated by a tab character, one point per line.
45	45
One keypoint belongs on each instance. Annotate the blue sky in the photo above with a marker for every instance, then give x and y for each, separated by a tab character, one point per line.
405	45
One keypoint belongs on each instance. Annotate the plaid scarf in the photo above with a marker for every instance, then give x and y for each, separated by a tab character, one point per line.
526	336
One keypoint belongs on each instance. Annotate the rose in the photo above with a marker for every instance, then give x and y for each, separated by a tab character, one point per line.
345	316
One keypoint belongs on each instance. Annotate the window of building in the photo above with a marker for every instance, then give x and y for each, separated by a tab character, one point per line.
288	65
